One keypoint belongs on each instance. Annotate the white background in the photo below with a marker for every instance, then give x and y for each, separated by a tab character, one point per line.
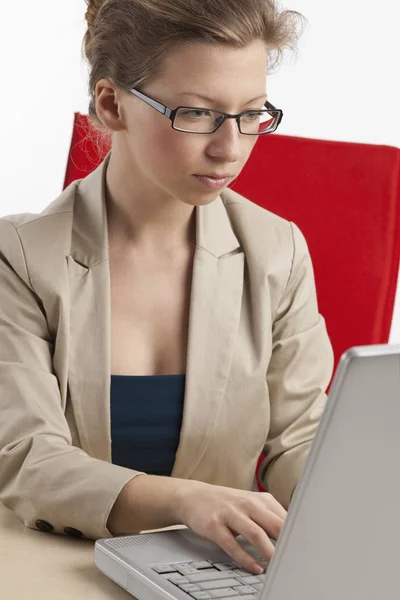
346	74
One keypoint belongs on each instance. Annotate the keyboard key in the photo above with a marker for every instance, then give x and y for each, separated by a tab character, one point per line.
172	576
202	564
246	589
178	579
242	573
186	570
209	575
213	585
201	595
163	569
258	586
225	566
249	580
189	587
223	593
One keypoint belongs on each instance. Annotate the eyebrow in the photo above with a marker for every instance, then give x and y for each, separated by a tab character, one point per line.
212	100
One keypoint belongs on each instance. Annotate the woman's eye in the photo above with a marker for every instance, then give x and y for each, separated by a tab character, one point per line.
202	112
253	115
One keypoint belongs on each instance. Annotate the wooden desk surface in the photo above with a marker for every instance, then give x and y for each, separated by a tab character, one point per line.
44	566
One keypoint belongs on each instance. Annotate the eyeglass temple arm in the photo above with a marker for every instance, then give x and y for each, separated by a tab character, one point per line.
272	107
269	105
157	105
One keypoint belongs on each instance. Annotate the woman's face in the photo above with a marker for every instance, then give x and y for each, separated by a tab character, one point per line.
167	160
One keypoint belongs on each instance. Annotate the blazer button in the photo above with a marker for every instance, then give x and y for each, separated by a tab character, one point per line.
44	526
73	532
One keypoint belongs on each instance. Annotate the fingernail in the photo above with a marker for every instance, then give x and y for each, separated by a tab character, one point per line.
257	569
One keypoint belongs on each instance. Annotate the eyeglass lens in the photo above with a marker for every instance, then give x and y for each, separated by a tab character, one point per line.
196	120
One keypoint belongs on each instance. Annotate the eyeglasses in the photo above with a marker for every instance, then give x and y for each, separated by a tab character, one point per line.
189	119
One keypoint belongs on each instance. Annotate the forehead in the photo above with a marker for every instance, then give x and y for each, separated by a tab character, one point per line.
213	72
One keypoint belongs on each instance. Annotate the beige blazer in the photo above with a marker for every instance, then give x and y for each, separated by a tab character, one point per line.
258	364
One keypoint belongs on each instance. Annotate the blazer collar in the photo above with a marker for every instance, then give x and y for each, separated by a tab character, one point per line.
89	243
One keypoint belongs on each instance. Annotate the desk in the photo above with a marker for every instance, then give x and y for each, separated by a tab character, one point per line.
44	566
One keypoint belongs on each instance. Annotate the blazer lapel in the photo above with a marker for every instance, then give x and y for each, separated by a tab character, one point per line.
217	284
215	307
89	284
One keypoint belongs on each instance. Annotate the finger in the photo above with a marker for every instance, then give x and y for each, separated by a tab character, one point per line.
268	521
225	539
273	504
254	533
261	514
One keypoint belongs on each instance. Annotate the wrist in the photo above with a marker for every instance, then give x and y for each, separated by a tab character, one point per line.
185	490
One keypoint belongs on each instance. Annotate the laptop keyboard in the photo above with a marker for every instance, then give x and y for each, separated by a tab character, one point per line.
206	580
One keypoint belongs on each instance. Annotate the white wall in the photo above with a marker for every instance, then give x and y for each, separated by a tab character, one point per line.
343	85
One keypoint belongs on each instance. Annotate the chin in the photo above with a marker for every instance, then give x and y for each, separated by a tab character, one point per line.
200	201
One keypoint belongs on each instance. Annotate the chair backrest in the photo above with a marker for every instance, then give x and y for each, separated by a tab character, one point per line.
345	197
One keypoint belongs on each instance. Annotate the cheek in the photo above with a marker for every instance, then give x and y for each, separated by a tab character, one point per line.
171	151
175	148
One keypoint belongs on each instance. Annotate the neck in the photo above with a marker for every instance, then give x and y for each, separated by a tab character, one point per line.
140	216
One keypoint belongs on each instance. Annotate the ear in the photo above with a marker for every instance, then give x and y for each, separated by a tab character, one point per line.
109	105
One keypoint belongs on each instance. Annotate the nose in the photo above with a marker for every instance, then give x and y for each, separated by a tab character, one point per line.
226	142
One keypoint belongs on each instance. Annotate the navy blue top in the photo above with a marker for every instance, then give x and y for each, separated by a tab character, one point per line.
146	419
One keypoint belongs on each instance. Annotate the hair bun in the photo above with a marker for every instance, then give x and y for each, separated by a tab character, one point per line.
93	7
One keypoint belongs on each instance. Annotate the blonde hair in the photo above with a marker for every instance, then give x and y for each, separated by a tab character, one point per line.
127	40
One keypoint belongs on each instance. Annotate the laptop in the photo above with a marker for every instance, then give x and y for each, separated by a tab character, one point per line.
341	538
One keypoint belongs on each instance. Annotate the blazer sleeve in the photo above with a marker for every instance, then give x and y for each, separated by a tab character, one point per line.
42	476
298	374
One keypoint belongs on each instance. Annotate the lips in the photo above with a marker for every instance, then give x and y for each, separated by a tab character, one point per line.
214	176
211	182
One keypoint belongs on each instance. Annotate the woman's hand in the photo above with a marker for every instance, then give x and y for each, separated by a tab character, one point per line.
221	513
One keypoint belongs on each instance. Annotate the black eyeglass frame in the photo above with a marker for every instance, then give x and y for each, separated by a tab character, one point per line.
168	112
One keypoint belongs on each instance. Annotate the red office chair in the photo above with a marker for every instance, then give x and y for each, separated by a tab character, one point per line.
345	197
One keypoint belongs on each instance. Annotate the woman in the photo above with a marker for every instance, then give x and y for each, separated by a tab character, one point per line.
160	331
